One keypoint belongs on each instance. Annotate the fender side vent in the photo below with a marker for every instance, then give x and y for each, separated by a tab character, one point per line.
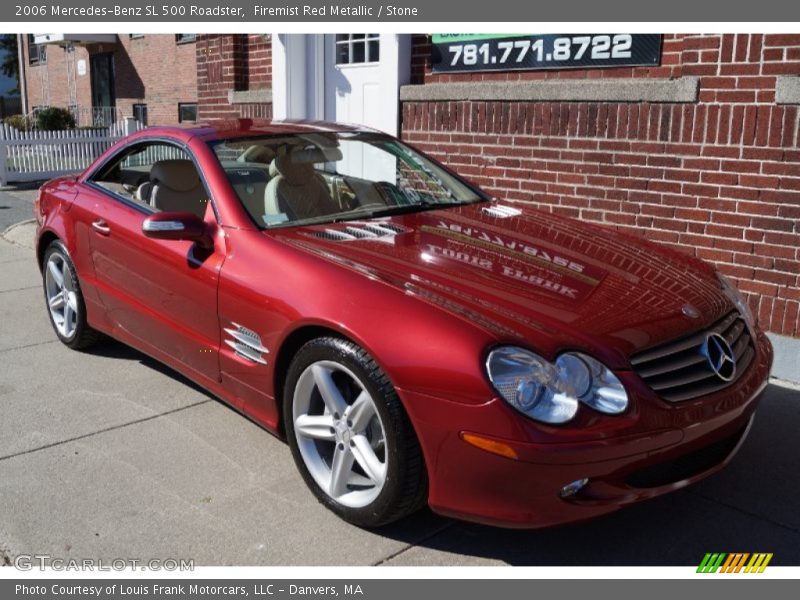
246	343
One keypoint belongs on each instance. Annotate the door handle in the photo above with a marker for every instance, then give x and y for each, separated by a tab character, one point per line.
101	227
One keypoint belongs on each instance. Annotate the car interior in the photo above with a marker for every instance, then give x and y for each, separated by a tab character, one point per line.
295	181
274	185
296	189
277	179
159	176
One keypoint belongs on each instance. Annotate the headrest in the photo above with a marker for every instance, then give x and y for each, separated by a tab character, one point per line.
297	167
317	155
293	173
177	174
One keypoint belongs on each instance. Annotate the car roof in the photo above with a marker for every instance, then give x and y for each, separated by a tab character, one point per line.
241	128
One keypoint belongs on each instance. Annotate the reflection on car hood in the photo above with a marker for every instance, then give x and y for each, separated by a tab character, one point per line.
525	274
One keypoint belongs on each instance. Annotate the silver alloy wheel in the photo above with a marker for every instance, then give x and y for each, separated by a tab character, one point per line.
60	293
340	434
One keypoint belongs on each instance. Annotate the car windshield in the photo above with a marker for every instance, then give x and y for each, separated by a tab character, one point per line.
306	178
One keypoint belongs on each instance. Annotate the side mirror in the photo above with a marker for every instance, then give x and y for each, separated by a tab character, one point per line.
178	226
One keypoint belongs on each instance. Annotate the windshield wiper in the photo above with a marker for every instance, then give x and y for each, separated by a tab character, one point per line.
360	213
401	209
417	206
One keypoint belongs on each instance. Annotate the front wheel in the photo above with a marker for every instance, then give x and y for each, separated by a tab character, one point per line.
350	436
65	305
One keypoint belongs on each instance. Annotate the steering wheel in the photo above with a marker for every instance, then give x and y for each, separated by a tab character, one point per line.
256	153
389	192
371	205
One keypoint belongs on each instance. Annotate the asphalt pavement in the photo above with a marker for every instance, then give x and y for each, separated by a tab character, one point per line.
107	454
16	204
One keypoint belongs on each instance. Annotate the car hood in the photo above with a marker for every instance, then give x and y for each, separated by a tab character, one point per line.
528	276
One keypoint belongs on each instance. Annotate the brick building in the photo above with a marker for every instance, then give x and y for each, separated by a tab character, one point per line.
103	76
234	76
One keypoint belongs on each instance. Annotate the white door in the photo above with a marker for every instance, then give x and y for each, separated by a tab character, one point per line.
362	85
359	78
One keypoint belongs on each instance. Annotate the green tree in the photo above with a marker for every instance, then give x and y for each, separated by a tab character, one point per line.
8	58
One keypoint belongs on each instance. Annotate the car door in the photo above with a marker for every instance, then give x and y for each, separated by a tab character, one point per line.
159	295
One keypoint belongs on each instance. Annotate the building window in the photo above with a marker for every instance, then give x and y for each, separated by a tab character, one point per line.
187	111
355	48
140	113
185	38
37	53
135	36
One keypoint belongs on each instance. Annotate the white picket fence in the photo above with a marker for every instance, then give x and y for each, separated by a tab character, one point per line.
38	155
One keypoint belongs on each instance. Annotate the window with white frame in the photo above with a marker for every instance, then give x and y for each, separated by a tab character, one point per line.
37	53
357	48
140	113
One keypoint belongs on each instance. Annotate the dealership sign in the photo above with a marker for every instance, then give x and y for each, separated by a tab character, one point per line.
509	52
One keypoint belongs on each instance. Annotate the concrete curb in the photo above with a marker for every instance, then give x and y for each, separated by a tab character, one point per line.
20	234
22	186
787	357
680	90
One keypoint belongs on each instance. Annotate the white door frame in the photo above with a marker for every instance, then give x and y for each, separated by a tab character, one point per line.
298	68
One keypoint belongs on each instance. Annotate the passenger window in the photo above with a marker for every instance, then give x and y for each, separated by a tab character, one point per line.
157	175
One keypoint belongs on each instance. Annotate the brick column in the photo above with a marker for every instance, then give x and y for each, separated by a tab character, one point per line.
234	76
221	68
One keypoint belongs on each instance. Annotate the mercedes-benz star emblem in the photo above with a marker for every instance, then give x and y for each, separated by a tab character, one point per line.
719	354
690	311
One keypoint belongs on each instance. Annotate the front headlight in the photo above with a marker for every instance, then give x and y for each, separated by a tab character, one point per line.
735	296
551	392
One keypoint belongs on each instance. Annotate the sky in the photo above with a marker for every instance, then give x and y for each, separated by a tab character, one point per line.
6	83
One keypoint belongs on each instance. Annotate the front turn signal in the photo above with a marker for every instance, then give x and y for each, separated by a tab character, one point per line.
489	445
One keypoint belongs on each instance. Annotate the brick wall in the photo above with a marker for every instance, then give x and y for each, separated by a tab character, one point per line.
154	70
232	62
259	61
719	178
47	83
157	71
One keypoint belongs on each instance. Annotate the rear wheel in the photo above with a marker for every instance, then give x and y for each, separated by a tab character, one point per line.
65	306
350	436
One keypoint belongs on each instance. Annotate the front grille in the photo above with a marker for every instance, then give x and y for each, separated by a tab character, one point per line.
685	466
678	370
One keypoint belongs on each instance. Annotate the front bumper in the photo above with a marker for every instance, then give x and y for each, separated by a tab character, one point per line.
655	448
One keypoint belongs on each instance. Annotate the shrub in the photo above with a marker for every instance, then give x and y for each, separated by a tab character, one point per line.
54	118
19	122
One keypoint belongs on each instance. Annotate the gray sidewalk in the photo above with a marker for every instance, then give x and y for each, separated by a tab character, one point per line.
107	454
16	204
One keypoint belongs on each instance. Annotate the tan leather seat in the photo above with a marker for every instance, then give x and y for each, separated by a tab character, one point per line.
175	186
295	189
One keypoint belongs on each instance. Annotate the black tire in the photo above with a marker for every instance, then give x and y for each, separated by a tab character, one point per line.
83	336
406	486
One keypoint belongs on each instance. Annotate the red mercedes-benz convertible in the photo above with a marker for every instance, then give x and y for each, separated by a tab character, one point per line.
414	340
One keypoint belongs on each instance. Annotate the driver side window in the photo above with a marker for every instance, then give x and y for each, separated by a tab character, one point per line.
156	175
